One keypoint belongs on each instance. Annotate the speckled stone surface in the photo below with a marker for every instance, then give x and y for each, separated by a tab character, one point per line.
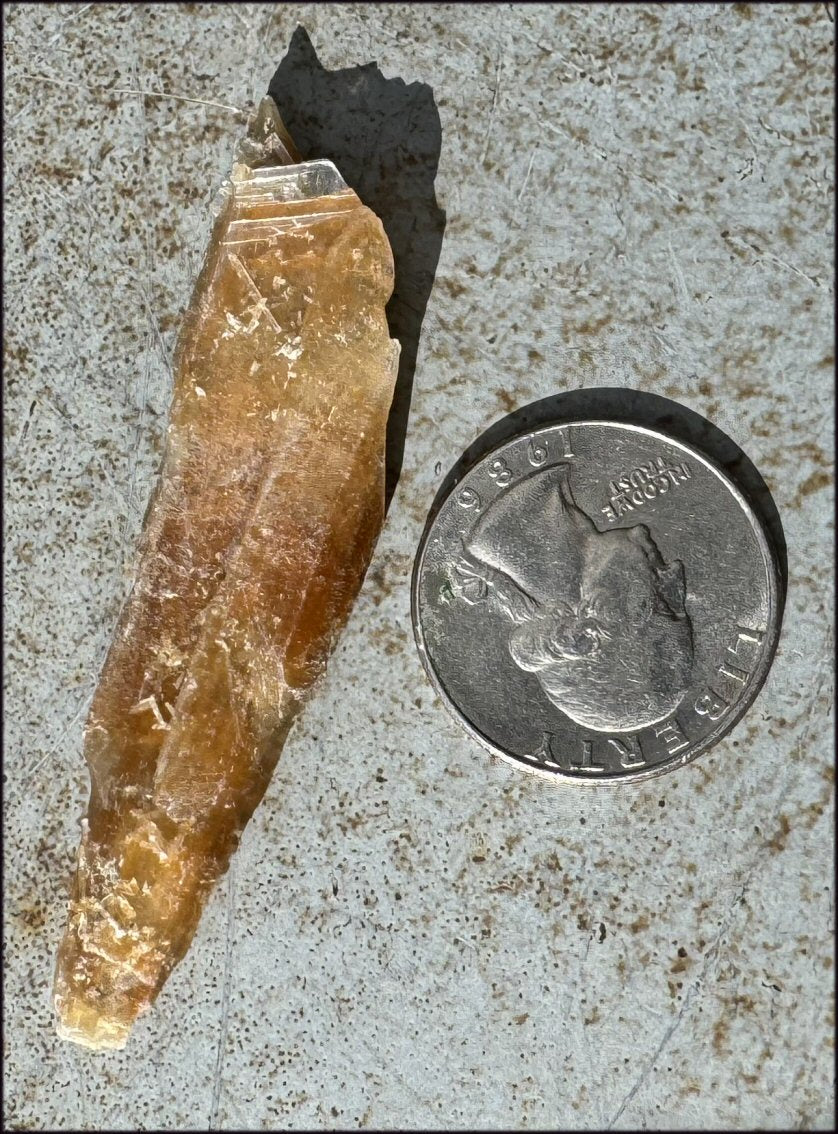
414	935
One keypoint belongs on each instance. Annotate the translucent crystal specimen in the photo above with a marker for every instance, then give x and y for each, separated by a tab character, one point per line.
254	547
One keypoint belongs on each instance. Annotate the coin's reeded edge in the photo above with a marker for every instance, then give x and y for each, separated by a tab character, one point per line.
726	724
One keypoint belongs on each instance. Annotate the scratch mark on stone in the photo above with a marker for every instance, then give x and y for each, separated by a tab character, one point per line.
155	325
738	242
34	768
660	186
712	952
74	15
813	280
143	386
76	84
225	997
132	472
493	108
529	171
82	1078
554	129
24	429
644	1074
679	275
49	402
541	47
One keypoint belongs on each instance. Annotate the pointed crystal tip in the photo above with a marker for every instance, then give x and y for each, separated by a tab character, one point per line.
267	141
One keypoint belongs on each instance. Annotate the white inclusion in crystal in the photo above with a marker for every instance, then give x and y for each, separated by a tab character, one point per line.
291	350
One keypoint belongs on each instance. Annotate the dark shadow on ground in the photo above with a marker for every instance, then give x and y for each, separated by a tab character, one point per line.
384	136
653	412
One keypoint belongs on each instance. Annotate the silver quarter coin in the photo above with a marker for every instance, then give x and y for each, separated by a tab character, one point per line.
596	602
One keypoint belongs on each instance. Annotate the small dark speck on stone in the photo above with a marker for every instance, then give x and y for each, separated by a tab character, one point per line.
601	937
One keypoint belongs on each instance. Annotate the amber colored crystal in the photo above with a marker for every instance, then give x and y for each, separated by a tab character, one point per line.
254	547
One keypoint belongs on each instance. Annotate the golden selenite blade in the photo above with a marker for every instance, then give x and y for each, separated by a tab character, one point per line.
255	544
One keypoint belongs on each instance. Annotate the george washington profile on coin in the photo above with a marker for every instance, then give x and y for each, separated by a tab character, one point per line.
597	616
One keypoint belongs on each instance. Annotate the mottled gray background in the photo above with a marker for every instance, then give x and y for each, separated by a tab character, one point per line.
413	935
